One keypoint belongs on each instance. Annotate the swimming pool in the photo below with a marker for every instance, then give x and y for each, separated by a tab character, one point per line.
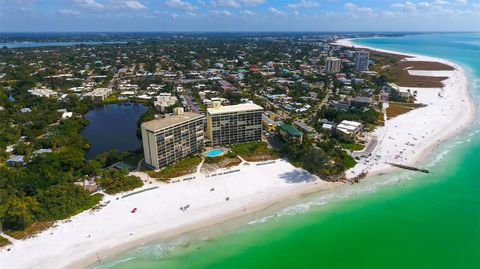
215	152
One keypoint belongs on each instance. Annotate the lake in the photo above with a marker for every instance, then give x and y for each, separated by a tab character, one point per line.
113	126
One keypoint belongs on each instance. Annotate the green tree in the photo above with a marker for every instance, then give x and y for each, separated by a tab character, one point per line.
17	213
63	200
115	181
314	160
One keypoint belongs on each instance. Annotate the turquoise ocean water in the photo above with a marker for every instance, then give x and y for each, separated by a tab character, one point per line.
404	220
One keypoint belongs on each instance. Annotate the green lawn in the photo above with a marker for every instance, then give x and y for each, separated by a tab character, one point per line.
349	162
352	146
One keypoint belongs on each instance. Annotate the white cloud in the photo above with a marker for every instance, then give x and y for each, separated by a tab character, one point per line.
235	3
408	6
247	12
253	2
225	3
304	4
221	13
388	13
462	2
354	8
276	12
179	4
350	6
129	4
424	4
69	12
441	2
89	4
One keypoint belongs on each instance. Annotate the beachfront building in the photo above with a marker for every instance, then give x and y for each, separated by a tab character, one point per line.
333	65
361	61
361	102
43	92
268	123
99	94
164	100
172	138
234	124
290	133
310	131
349	127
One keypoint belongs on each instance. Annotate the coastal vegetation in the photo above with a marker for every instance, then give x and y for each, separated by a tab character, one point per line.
326	159
212	163
179	168
115	181
393	68
397	108
47	186
4	241
31	230
254	151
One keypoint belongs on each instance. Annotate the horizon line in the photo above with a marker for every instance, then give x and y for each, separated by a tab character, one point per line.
232	31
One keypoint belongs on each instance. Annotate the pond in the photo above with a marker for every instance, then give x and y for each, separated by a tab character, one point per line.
113	126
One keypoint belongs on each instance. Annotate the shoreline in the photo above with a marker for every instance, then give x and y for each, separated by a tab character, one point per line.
114	229
257	197
444	125
228	219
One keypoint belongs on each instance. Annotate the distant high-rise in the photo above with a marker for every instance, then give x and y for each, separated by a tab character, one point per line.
361	61
173	138
234	124
333	65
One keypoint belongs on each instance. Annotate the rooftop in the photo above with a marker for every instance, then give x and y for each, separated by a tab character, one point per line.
304	126
291	130
234	108
156	125
16	158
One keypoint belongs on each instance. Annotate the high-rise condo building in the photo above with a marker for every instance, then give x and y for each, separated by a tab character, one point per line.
234	124
173	138
361	60
333	65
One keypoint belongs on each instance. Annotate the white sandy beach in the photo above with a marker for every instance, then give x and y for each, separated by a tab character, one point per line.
409	138
78	242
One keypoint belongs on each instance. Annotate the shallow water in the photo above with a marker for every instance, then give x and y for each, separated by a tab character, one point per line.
405	220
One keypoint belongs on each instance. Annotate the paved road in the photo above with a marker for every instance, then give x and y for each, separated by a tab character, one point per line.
368	150
191	103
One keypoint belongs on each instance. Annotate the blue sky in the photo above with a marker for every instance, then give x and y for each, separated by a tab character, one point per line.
239	15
